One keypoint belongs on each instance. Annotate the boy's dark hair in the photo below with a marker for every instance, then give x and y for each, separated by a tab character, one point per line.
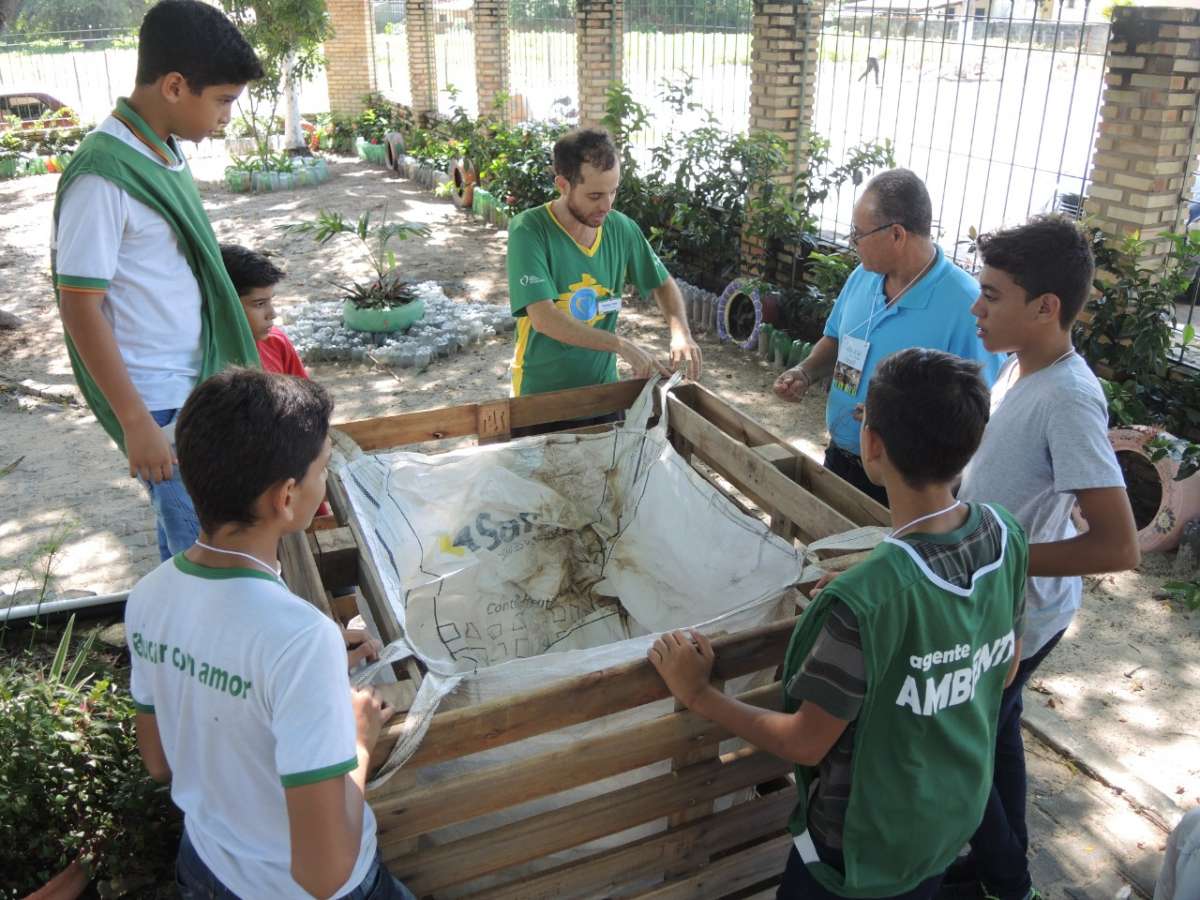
593	146
196	40
929	408
901	197
1046	255
249	270
242	431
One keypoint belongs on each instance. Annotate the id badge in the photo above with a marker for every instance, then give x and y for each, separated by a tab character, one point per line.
609	305
851	359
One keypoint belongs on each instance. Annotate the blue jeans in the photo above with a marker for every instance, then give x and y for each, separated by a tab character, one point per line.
197	882
175	516
1001	843
799	884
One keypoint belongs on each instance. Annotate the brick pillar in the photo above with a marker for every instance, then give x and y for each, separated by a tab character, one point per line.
421	25
600	49
491	54
350	55
785	39
1143	159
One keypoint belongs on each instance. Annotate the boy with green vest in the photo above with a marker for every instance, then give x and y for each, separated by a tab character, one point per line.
894	673
146	305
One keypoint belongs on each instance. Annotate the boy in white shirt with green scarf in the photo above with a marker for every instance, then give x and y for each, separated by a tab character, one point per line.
147	307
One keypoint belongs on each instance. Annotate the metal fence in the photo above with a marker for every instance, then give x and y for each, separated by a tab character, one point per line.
543	78
997	113
681	42
85	70
391	51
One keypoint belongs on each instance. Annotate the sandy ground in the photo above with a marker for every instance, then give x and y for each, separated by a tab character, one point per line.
1123	682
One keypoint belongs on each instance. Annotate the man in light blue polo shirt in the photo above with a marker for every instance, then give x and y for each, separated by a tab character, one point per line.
905	293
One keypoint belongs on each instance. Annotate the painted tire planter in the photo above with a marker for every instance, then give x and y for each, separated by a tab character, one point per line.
742	310
1180	500
372	153
464	184
393	143
394	318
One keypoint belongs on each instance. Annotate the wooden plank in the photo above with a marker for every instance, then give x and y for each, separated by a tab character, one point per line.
580	403
840	494
492	422
322	523
762	481
300	571
370	584
729	419
603	874
732	873
412	428
460	732
696	753
336	554
783	459
486	790
460	421
464	860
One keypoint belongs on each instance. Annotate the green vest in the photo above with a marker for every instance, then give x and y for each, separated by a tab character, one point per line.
225	334
936	659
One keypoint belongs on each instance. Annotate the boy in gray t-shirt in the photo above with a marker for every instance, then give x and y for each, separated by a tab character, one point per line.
1045	447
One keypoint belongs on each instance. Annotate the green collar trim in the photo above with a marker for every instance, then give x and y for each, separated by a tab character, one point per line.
125	113
187	567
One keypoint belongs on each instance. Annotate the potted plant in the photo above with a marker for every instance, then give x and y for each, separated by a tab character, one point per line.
76	804
386	302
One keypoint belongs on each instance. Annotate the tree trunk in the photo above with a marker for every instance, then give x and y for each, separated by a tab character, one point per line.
9	10
293	134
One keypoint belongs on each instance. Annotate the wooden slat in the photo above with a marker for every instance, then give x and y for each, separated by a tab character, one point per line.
837	493
840	494
460	732
603	874
580	403
492	422
336	554
496	787
322	523
412	428
461	421
464	860
732	873
765	484
370	584
300	571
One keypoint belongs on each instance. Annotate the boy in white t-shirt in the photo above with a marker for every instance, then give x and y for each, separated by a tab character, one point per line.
147	308
1045	447
243	697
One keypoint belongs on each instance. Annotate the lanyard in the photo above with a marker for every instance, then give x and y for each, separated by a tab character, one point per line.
933	515
869	321
254	559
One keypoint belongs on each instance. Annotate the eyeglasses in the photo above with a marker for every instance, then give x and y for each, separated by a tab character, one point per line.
856	235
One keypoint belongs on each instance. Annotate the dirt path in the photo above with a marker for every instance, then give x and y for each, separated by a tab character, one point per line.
1123	683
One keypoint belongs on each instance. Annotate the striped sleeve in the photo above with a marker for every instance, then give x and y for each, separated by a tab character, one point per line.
834	675
88	234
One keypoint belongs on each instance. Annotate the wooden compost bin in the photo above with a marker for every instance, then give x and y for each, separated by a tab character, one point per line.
739	850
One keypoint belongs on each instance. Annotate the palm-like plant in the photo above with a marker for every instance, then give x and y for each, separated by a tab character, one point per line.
387	289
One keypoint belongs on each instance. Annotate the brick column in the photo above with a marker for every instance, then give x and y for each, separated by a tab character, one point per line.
350	55
600	52
491	54
1143	161
421	25
785	39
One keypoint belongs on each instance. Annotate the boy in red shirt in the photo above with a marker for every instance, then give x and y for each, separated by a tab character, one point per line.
254	277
